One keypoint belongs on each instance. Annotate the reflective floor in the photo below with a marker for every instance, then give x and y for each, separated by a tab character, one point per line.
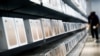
91	48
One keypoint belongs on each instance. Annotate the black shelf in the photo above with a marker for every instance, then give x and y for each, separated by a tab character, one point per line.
27	9
69	2
12	4
18	50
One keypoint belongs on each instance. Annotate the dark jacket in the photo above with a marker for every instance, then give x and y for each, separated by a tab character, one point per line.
93	20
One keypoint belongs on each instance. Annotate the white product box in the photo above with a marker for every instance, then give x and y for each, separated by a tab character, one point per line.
33	30
53	27
57	51
56	27
61	26
63	48
68	27
56	5
52	4
65	26
20	31
46	3
52	52
36	1
40	30
46	28
63	6
47	54
8	35
67	49
59	4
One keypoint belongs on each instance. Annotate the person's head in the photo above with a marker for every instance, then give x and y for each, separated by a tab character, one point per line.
92	13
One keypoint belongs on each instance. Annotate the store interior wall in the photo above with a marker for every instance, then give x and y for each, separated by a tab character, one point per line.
88	7
96	6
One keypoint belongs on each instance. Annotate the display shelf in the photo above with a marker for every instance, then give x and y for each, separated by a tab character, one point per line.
75	45
30	46
31	10
27	9
55	46
78	47
69	2
58	37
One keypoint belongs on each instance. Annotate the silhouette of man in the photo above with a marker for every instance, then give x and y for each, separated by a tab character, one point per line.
93	22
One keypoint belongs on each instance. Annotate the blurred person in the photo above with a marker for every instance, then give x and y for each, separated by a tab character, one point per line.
93	22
